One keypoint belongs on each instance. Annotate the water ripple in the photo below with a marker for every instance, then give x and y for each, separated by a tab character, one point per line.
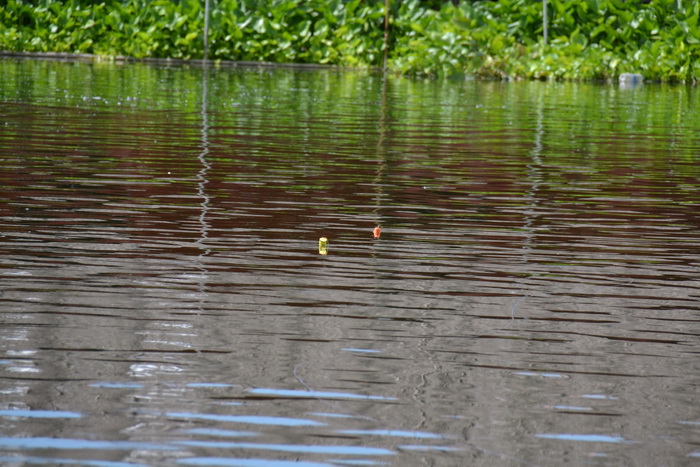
161	282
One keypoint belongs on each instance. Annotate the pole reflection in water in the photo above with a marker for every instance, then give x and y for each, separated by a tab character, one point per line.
202	184
532	298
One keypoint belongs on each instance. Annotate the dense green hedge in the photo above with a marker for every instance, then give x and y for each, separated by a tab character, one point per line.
588	39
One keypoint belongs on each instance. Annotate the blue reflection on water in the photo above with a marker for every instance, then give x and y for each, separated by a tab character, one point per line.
68	443
396	433
426	448
572	407
298	448
584	437
253	419
225	461
209	385
599	396
317	394
39	413
357	462
542	375
334	415
55	460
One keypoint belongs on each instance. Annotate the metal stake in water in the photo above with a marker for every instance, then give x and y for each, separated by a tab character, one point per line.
544	20
206	30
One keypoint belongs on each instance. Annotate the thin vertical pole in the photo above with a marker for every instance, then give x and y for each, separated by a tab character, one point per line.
386	31
544	19
206	30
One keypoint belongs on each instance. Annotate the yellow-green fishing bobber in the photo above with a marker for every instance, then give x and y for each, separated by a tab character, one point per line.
323	246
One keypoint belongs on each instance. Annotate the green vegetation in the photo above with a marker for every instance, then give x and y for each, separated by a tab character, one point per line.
588	39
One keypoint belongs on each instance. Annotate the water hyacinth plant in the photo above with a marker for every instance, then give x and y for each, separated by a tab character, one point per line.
587	39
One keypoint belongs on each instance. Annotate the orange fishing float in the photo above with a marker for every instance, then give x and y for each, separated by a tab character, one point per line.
377	232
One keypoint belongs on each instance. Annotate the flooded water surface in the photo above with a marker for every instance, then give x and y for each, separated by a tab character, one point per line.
533	297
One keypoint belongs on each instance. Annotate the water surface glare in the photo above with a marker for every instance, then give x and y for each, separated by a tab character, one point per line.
532	297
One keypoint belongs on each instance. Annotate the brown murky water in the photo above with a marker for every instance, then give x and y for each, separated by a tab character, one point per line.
533	299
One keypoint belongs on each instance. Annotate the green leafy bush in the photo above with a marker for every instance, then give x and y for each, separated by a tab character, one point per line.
587	39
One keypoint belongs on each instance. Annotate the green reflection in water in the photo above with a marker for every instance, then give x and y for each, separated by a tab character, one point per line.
323	134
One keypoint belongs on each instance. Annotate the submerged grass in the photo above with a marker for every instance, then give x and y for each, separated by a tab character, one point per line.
588	39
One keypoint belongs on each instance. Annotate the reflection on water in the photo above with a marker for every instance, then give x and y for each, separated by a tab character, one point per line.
532	298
